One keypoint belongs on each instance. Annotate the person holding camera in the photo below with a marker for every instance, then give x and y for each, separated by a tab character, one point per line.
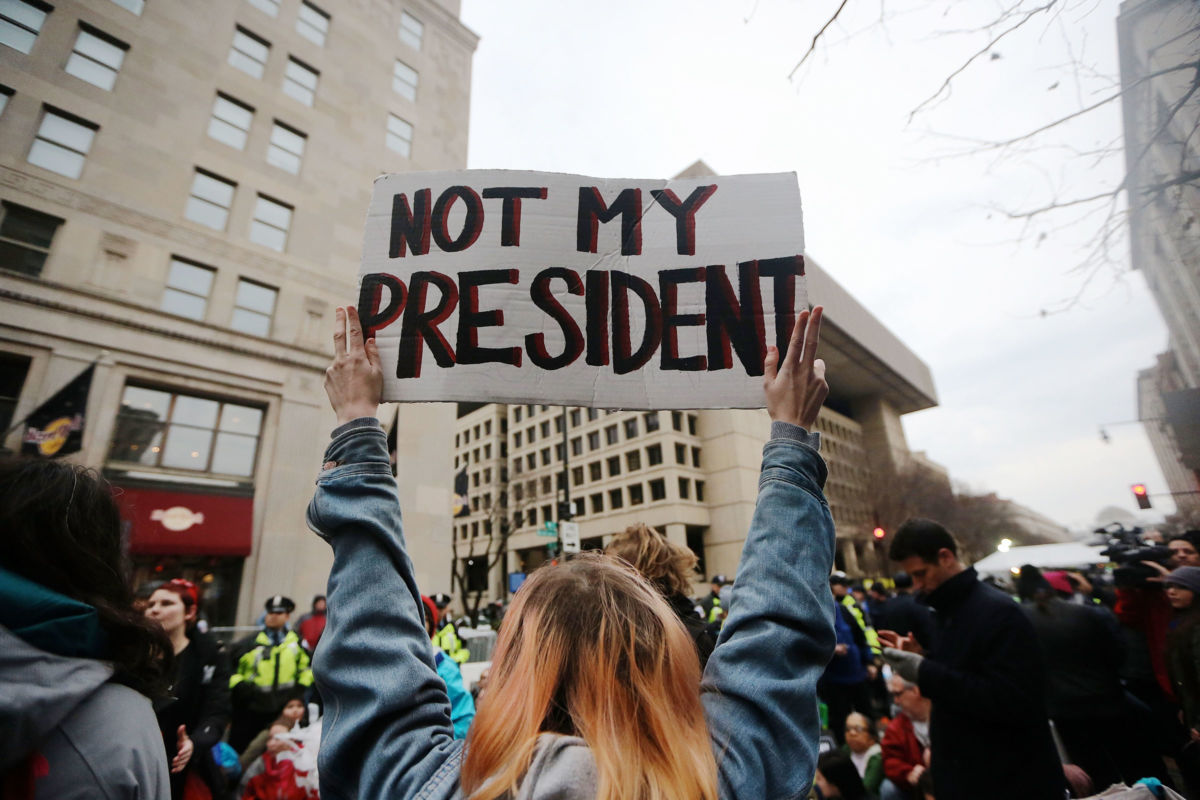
1146	609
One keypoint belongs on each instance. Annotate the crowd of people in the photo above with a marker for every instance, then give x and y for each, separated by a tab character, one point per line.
607	681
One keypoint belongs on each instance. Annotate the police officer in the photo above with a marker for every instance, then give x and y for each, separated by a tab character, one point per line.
840	583
446	637
711	605
270	668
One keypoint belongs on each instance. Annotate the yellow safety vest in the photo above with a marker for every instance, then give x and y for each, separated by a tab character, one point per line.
270	666
872	637
447	639
714	613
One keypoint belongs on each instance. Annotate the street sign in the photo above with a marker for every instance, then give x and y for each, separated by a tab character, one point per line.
570	537
549	528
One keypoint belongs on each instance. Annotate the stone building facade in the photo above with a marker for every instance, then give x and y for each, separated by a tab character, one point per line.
182	196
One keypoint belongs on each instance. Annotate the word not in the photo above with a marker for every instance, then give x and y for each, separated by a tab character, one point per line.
733	322
415	223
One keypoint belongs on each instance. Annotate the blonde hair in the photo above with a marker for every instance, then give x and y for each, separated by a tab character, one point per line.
668	566
590	649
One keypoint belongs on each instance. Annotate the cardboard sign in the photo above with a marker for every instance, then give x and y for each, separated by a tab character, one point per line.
531	287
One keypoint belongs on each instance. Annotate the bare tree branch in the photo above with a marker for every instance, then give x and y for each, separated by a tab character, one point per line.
816	38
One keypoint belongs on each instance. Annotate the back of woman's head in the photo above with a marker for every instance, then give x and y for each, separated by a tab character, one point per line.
668	566
590	649
838	770
60	528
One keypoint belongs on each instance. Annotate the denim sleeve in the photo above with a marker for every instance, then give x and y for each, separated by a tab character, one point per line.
760	685
387	730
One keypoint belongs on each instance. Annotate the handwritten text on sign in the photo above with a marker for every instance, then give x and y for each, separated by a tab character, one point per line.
503	286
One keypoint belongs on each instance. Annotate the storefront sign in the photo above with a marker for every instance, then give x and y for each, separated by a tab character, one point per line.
187	523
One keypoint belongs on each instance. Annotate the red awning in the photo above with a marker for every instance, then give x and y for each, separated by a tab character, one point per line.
187	523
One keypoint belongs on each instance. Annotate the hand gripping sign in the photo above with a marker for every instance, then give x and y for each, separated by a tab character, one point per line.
532	287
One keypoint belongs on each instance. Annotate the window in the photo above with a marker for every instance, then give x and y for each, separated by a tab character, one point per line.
631	428
677	420
160	428
517	414
596	470
97	57
487	427
5	93
312	24
253	308
531	460
633	460
132	6
651	418
516	466
547	511
399	135
577	446
594	440
558	481
593	414
518	519
684	488
699	491
576	476
654	454
300	81
692	420
210	200
636	497
517	439
558	423
25	237
597	501
615	500
545	428
269	7
230	122
614	466
575	418
658	489
249	53
404	81
545	456
476	572
487	451
188	286
21	21
13	370
560	452
696	457
411	30
270	225
610	434
286	148
680	454
531	434
62	143
475	479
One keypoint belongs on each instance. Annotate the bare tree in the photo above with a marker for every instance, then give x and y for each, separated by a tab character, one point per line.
1148	180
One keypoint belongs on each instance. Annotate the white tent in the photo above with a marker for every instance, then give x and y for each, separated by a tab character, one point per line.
1064	555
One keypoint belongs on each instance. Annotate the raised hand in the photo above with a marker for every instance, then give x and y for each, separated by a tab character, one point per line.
796	388
354	381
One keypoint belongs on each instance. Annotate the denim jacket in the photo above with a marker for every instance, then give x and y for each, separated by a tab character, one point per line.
387	730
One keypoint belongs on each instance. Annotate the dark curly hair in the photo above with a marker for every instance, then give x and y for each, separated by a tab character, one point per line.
60	527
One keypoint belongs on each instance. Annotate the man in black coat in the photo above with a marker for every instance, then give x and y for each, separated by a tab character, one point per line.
985	675
905	615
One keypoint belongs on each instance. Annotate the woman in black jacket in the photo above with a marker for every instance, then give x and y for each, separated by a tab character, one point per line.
193	718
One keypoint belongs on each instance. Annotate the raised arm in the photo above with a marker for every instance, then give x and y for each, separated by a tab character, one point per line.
387	726
759	688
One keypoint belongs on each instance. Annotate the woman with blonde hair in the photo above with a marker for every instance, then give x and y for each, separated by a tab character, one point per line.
595	690
669	567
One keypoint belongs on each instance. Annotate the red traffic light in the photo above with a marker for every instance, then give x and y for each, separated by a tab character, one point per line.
879	533
1140	494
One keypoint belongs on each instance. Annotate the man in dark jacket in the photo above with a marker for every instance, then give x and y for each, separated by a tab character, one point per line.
990	732
905	615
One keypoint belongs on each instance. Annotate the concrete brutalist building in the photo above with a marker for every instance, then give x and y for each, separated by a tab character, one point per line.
182	195
691	474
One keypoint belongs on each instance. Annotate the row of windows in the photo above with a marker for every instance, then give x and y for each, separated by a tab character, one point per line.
595	470
635	494
481	430
575	415
26	236
313	24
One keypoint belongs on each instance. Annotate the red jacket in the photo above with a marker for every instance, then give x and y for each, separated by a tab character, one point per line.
310	630
1148	611
901	751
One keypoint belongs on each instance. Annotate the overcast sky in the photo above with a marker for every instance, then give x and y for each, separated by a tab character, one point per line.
918	235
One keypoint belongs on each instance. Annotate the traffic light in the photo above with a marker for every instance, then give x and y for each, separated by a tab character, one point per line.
1139	494
878	533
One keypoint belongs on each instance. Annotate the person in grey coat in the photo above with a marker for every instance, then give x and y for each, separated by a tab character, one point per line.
77	663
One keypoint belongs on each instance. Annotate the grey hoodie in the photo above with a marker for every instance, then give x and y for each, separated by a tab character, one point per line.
562	768
88	738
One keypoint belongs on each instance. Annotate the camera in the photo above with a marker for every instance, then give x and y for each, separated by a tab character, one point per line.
1126	548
